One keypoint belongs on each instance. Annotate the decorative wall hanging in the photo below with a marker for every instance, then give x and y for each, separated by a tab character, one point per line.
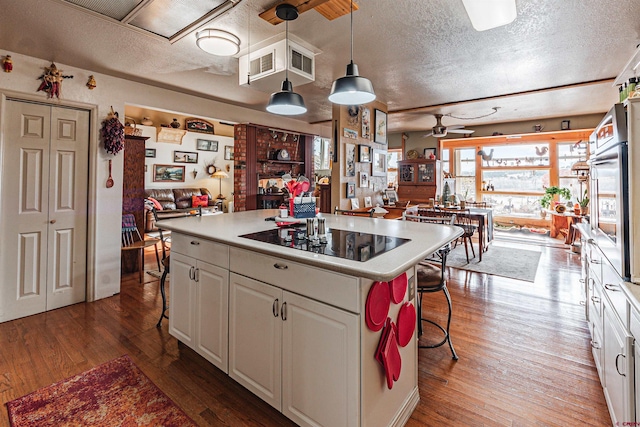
364	154
7	64
149	152
350	133
366	123
170	135
351	190
206	145
52	81
228	152
379	167
185	157
168	173
112	133
91	83
199	125
381	127
350	160
364	179
354	114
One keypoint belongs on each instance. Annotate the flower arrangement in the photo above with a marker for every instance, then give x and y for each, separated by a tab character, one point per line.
549	192
112	133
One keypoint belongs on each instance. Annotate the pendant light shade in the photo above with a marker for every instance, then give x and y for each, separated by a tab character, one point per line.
218	42
352	89
286	102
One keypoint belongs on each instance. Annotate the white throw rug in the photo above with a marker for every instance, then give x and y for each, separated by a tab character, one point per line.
514	263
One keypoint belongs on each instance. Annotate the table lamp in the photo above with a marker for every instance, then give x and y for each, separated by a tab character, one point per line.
220	174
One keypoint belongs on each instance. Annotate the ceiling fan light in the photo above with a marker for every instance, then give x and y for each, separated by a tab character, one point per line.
286	102
218	42
487	14
352	89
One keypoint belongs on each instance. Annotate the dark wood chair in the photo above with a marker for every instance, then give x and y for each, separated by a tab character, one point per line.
368	214
133	241
482	205
431	277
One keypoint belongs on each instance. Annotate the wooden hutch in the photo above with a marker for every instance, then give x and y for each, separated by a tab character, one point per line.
418	180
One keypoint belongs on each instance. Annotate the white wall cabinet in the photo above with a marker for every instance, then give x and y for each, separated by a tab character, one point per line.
308	364
199	310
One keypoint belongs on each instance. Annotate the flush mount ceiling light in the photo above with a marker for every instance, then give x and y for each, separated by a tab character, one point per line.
218	42
286	102
352	89
487	14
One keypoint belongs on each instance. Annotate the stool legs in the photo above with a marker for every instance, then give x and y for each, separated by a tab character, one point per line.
447	337
163	279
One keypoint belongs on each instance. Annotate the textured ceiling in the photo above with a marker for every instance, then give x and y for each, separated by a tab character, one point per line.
556	59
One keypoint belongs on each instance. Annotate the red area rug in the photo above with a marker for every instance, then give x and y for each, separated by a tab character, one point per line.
116	393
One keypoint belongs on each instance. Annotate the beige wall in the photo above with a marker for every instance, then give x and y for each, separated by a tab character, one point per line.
416	141
105	209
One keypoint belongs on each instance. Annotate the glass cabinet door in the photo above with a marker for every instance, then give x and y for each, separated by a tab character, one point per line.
426	172
406	173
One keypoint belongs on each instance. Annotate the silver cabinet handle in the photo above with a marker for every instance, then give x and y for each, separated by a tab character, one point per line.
283	311
583	303
193	242
274	308
581	280
595	261
192	274
617	357
595	299
280	266
595	344
196	275
591	241
611	287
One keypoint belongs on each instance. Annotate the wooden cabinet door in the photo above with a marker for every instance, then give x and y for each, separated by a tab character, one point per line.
255	337
182	294
320	357
212	314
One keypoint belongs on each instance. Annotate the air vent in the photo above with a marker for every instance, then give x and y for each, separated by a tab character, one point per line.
301	62
261	65
266	69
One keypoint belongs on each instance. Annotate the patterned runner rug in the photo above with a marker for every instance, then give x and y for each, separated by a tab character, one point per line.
116	393
513	263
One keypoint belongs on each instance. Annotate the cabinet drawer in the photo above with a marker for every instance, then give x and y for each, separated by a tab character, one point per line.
595	305
332	288
612	285
202	249
416	192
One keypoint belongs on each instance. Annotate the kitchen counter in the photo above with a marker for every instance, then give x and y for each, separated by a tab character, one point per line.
226	229
294	327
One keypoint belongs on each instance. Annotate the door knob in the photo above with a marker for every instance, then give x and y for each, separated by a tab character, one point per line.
53	221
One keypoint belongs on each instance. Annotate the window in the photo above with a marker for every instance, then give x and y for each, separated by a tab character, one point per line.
393	157
465	172
321	154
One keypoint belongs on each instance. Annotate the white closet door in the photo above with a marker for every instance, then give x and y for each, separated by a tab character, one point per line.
44	208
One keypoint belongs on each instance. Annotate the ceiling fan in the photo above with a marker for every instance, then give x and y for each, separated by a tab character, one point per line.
440	131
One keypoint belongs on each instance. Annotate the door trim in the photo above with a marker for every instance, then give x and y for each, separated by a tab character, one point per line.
6	95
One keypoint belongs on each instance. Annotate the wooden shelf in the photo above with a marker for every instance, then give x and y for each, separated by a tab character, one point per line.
282	162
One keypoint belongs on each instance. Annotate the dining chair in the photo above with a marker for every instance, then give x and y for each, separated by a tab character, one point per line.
432	277
465	222
481	205
133	241
368	214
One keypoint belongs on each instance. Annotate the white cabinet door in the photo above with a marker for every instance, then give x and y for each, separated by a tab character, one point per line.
212	313
182	294
320	363
618	368
255	337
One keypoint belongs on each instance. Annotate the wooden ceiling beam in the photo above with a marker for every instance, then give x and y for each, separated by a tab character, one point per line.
330	9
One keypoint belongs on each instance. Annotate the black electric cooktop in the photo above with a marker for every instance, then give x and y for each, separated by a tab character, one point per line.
337	243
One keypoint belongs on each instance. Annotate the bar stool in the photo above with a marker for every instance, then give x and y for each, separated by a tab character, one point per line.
165	262
432	278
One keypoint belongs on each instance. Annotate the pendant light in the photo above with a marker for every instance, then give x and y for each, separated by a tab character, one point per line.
352	89
286	102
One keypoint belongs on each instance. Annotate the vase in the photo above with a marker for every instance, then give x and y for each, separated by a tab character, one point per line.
175	124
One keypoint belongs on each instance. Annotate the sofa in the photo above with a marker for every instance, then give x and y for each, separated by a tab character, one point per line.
173	201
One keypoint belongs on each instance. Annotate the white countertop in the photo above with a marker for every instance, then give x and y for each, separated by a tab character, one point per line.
226	229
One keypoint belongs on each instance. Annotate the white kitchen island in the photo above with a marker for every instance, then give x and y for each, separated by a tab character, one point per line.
289	324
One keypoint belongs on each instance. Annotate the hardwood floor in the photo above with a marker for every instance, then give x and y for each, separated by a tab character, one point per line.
524	353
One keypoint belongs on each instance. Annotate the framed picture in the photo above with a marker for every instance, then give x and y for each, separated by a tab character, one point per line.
428	152
355	203
381	127
364	252
228	152
351	190
350	160
149	152
206	145
367	202
350	133
366	123
185	157
364	154
391	195
168	173
379	163
199	125
364	179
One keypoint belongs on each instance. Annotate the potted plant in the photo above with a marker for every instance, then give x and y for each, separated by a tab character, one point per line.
550	192
584	203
